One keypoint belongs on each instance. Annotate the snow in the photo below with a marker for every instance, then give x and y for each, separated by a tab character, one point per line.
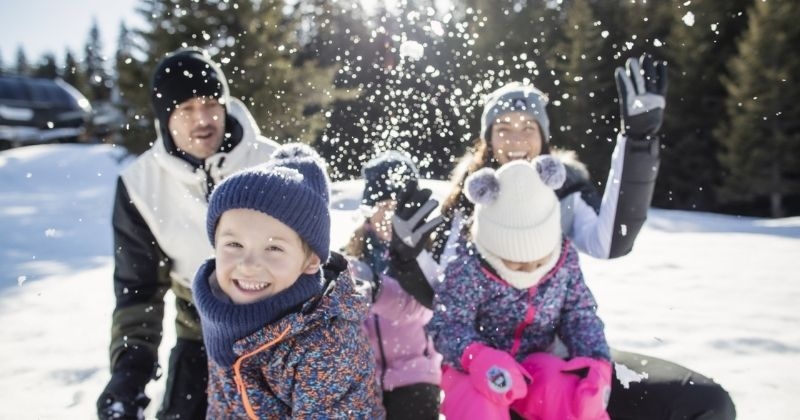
712	292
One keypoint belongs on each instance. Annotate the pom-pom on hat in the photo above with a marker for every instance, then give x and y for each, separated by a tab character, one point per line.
386	175
292	187
184	74
512	97
517	213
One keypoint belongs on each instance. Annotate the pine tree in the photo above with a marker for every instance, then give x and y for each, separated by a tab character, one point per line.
338	36
644	25
23	67
73	74
761	140
256	44
496	42
48	68
583	104
131	95
96	74
132	77
400	76
700	42
507	40
287	95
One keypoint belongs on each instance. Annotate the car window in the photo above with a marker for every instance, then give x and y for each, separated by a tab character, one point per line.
37	90
13	89
46	91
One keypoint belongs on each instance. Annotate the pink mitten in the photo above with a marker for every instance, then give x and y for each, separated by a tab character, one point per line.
565	390
494	373
590	398
550	393
462	401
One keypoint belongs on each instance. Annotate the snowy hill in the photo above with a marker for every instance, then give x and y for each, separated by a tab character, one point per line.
716	293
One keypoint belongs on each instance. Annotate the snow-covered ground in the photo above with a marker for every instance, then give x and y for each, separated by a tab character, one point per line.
712	292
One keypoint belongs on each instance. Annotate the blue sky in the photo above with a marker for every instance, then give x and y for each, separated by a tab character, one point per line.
42	26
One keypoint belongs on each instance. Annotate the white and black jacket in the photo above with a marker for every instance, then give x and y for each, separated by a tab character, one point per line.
159	224
603	227
607	227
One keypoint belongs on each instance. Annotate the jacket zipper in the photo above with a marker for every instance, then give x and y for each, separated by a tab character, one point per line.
380	348
237	372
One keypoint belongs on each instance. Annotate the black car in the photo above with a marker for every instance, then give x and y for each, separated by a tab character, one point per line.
34	110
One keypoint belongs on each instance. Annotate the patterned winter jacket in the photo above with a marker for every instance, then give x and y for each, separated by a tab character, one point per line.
314	362
473	305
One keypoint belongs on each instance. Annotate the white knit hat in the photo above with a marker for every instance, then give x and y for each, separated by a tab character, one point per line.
518	217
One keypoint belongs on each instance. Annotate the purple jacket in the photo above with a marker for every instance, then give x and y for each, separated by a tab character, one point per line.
473	305
404	353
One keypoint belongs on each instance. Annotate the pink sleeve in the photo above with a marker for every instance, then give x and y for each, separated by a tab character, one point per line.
393	302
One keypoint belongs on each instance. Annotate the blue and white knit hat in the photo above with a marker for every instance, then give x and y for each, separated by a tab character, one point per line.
292	187
515	96
386	175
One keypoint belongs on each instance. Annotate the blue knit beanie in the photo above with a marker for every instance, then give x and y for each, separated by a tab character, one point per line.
386	175
292	187
516	96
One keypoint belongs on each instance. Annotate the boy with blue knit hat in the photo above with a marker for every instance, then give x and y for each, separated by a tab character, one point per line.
282	341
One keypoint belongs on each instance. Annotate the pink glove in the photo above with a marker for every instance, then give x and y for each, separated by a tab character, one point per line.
561	390
462	401
591	395
494	373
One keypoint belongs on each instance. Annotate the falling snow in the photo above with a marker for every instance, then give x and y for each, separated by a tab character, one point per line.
688	19
676	296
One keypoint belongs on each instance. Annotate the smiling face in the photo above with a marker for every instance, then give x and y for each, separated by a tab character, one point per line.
515	135
197	126
258	256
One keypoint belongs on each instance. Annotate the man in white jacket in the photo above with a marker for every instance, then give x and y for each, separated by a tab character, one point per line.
203	135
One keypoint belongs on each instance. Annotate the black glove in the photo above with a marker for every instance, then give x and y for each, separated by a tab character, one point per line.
642	90
124	398
410	233
334	266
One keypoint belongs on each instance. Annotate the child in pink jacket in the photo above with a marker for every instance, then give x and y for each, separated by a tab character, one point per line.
408	367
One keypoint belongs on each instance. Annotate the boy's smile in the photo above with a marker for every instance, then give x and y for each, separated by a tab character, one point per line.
250	286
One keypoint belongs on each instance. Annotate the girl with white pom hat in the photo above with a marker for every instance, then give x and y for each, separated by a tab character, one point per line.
502	303
515	126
